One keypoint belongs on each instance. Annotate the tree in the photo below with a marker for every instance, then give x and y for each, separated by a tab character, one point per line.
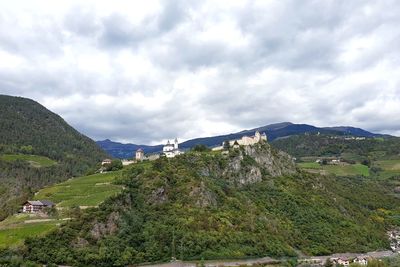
200	148
328	263
115	165
366	162
226	145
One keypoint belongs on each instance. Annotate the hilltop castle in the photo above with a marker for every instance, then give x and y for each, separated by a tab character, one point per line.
249	140
244	141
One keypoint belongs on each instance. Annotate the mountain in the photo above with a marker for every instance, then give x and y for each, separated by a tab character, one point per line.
119	150
273	131
251	202
37	148
348	130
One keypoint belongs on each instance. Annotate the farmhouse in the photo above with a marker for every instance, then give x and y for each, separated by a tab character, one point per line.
361	260
343	261
34	206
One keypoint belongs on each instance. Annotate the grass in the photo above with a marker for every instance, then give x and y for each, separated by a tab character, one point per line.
309	165
340	170
82	191
345	170
390	167
15	236
34	160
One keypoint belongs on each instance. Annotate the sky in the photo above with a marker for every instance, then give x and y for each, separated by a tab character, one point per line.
147	71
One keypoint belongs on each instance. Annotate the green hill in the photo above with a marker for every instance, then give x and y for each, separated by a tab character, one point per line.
85	192
252	202
37	148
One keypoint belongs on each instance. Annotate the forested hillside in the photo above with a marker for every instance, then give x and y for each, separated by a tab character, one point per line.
251	202
57	151
328	145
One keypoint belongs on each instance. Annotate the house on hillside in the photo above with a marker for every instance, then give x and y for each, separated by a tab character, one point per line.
35	206
342	261
361	260
106	162
126	162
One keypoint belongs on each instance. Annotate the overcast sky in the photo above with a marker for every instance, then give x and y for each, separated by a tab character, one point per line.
146	71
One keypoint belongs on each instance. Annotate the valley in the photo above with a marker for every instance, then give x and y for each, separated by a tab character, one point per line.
301	193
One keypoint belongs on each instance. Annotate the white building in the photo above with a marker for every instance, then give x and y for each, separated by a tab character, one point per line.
35	206
361	260
171	150
126	162
343	261
106	162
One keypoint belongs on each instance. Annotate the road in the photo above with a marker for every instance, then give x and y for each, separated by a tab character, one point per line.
267	260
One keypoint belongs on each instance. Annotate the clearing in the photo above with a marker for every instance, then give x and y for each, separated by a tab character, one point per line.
34	160
340	170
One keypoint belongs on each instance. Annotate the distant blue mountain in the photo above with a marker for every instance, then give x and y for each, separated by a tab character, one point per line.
273	131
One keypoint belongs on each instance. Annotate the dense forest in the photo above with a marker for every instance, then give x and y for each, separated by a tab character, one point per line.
28	128
252	202
331	145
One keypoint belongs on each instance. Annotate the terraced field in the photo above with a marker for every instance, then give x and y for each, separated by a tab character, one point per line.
340	170
34	160
86	191
83	191
389	167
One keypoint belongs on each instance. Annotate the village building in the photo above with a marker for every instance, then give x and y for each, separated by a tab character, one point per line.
35	206
139	155
126	162
361	260
106	162
171	150
343	261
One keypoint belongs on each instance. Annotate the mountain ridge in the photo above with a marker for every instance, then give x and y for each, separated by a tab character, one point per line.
28	128
274	131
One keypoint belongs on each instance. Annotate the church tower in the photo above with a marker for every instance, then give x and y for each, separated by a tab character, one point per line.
176	144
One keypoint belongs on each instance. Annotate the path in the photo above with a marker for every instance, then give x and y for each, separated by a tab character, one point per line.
267	260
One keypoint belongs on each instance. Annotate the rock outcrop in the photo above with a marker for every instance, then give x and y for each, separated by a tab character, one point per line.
249	164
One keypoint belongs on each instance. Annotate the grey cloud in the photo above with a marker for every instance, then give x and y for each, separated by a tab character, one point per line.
287	66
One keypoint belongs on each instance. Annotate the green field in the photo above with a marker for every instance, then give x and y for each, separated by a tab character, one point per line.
309	165
355	169
34	160
389	167
15	235
82	191
340	170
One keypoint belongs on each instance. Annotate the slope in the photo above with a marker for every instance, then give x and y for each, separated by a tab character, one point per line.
84	192
251	202
37	148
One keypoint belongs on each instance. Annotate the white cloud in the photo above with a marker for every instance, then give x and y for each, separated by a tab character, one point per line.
147	71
